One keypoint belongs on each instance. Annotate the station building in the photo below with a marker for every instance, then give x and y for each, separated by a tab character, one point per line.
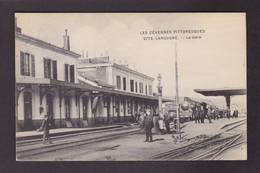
132	90
74	92
46	82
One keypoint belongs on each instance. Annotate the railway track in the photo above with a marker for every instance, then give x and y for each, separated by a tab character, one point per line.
30	148
214	146
27	142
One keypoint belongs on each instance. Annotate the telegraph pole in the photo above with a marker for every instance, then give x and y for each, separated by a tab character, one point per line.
160	96
177	90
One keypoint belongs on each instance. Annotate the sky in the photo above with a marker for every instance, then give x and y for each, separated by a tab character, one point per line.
216	60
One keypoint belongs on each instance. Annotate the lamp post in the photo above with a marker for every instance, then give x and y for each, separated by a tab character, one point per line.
177	92
159	78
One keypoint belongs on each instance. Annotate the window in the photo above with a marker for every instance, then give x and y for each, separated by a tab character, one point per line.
67	72
72	73
145	89
132	85
50	68
124	83
27	64
150	90
136	87
118	82
141	89
54	69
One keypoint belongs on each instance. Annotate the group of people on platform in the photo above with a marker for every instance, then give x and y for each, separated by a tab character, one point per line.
147	121
200	112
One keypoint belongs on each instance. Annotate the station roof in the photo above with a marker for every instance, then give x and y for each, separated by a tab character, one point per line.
45	44
80	86
221	91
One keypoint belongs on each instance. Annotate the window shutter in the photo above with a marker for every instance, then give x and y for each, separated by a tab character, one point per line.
54	70
72	73
66	72
33	65
22	63
45	67
49	68
27	64
118	82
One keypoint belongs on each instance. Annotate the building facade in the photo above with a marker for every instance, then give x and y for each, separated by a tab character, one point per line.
45	74
132	90
52	80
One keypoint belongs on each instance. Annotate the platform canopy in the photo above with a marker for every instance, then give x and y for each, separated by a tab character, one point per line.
221	91
226	92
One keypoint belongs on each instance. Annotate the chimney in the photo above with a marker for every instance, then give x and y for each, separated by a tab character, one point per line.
66	40
17	29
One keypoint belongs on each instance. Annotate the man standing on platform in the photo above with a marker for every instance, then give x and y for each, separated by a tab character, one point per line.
148	125
45	127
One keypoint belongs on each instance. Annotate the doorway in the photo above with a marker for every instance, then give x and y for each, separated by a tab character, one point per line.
117	106
67	108
85	108
108	108
28	111
49	108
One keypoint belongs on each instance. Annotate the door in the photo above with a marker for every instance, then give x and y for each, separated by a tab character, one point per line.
124	102
108	108
28	111
117	109
67	108
49	108
85	108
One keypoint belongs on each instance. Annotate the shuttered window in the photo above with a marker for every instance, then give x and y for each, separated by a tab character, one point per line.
150	90
54	69
132	85
27	64
33	65
136	87
22	63
45	67
141	89
124	83
50	68
118	82
72	73
66	72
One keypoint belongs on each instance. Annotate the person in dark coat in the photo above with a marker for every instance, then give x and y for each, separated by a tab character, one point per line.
196	113
45	127
204	112
201	114
209	114
148	125
228	113
236	113
167	121
193	109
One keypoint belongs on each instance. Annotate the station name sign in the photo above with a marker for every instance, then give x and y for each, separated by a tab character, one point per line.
179	34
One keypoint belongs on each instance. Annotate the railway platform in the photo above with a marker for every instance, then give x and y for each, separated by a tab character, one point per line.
29	135
127	143
191	129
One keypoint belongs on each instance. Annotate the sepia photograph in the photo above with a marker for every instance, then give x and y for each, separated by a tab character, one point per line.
130	86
